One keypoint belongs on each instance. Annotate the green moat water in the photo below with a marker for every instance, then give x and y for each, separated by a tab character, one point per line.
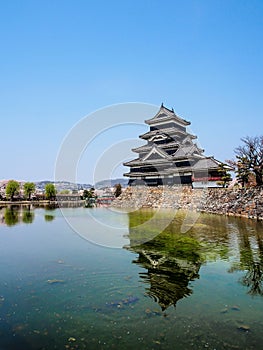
200	289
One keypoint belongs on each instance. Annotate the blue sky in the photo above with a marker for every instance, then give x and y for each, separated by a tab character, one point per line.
62	60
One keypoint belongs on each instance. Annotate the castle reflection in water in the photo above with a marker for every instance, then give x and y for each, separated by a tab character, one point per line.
171	260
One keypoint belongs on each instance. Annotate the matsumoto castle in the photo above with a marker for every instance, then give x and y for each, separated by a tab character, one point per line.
171	156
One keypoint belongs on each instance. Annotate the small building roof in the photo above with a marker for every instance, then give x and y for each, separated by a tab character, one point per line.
206	163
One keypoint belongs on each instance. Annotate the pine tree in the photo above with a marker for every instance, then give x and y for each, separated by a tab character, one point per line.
224	174
118	190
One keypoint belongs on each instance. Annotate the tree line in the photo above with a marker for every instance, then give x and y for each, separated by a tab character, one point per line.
29	188
13	189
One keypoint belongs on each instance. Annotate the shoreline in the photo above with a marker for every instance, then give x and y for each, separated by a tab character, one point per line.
40	202
24	202
238	202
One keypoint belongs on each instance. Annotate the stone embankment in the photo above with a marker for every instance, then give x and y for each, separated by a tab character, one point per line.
236	202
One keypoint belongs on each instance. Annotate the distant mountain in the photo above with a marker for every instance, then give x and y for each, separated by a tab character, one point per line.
62	185
111	183
66	185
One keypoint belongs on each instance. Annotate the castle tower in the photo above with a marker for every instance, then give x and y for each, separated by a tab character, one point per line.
171	156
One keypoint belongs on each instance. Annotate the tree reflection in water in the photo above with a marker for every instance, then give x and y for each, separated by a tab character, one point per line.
49	217
15	214
173	259
11	216
28	215
250	244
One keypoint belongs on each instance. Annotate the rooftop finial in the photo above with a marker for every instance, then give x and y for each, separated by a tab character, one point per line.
162	104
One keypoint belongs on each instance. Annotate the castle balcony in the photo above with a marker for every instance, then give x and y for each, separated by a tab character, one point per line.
208	178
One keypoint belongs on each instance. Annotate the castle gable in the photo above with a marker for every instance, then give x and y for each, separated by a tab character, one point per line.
159	137
155	154
165	114
187	141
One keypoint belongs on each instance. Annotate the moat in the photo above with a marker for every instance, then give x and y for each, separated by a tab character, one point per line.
168	281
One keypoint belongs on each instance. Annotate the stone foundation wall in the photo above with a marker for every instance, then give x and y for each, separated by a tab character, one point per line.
237	202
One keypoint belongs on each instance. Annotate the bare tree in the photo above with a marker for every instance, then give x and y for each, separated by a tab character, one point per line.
250	157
